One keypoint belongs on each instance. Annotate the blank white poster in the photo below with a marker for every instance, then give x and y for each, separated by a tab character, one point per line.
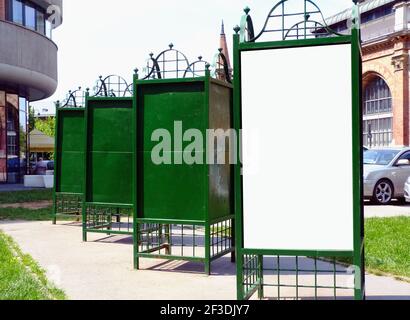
297	148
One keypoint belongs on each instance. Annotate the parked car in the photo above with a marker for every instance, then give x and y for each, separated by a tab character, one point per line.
407	190
385	174
43	166
50	166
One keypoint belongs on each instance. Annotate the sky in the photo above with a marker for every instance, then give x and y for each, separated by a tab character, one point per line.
104	37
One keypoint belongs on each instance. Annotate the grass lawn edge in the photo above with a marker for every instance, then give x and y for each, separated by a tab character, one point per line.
38	273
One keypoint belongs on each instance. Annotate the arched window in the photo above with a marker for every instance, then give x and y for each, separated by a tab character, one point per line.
377	114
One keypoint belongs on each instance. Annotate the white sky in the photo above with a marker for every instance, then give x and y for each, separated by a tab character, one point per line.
103	37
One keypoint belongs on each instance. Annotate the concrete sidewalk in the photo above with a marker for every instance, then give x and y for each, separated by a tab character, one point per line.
16	187
396	209
102	268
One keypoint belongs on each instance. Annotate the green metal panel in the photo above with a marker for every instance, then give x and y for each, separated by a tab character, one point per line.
109	151
70	151
220	175
173	191
170	191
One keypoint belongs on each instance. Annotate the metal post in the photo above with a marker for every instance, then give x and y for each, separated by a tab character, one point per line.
84	209
233	253
357	111
135	233
207	249
56	157
260	276
237	171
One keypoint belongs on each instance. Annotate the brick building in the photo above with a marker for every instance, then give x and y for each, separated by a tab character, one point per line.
28	72
385	36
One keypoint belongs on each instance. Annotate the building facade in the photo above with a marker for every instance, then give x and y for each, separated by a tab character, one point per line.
28	72
385	35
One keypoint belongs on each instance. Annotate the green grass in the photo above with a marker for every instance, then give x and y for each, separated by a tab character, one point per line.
26	196
26	214
388	246
21	278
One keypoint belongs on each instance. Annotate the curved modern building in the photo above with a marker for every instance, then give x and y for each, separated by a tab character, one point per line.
28	72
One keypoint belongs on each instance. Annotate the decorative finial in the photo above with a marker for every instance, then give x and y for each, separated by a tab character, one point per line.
223	29
207	66
87	89
200	58
151	54
171	45
247	10
79	88
307	17
237	29
100	77
220	50
136	70
69	91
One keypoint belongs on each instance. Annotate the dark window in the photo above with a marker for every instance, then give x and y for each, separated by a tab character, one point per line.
40	22
377	113
11	120
12	145
17	12
28	14
30	17
377	13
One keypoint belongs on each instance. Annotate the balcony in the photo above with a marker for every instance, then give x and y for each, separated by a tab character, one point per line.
379	28
28	62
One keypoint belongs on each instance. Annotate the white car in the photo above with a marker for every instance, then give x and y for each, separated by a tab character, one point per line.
385	174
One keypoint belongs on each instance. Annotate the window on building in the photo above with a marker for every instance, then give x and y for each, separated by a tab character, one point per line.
28	14
377	13
41	23
30	17
3	138
23	137
12	146
17	12
378	114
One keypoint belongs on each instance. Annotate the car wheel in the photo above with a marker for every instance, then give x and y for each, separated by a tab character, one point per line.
383	192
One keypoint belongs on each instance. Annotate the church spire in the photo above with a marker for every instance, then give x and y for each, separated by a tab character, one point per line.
223	28
224	46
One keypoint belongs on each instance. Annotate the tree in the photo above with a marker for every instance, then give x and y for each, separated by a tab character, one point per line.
46	126
31	118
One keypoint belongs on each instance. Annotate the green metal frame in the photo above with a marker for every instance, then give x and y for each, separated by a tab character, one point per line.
255	257
66	204
103	217
217	235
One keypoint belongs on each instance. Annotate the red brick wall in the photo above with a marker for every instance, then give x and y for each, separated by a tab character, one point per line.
2	9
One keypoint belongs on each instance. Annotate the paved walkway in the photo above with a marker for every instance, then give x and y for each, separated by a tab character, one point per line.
15	187
103	269
394	210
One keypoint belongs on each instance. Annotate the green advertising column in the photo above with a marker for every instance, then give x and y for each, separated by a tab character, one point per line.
184	208
69	157
108	187
294	248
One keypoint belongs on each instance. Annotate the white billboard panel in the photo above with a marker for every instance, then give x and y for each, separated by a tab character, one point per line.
297	148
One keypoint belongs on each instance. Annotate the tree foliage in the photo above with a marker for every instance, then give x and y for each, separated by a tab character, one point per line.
46	126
